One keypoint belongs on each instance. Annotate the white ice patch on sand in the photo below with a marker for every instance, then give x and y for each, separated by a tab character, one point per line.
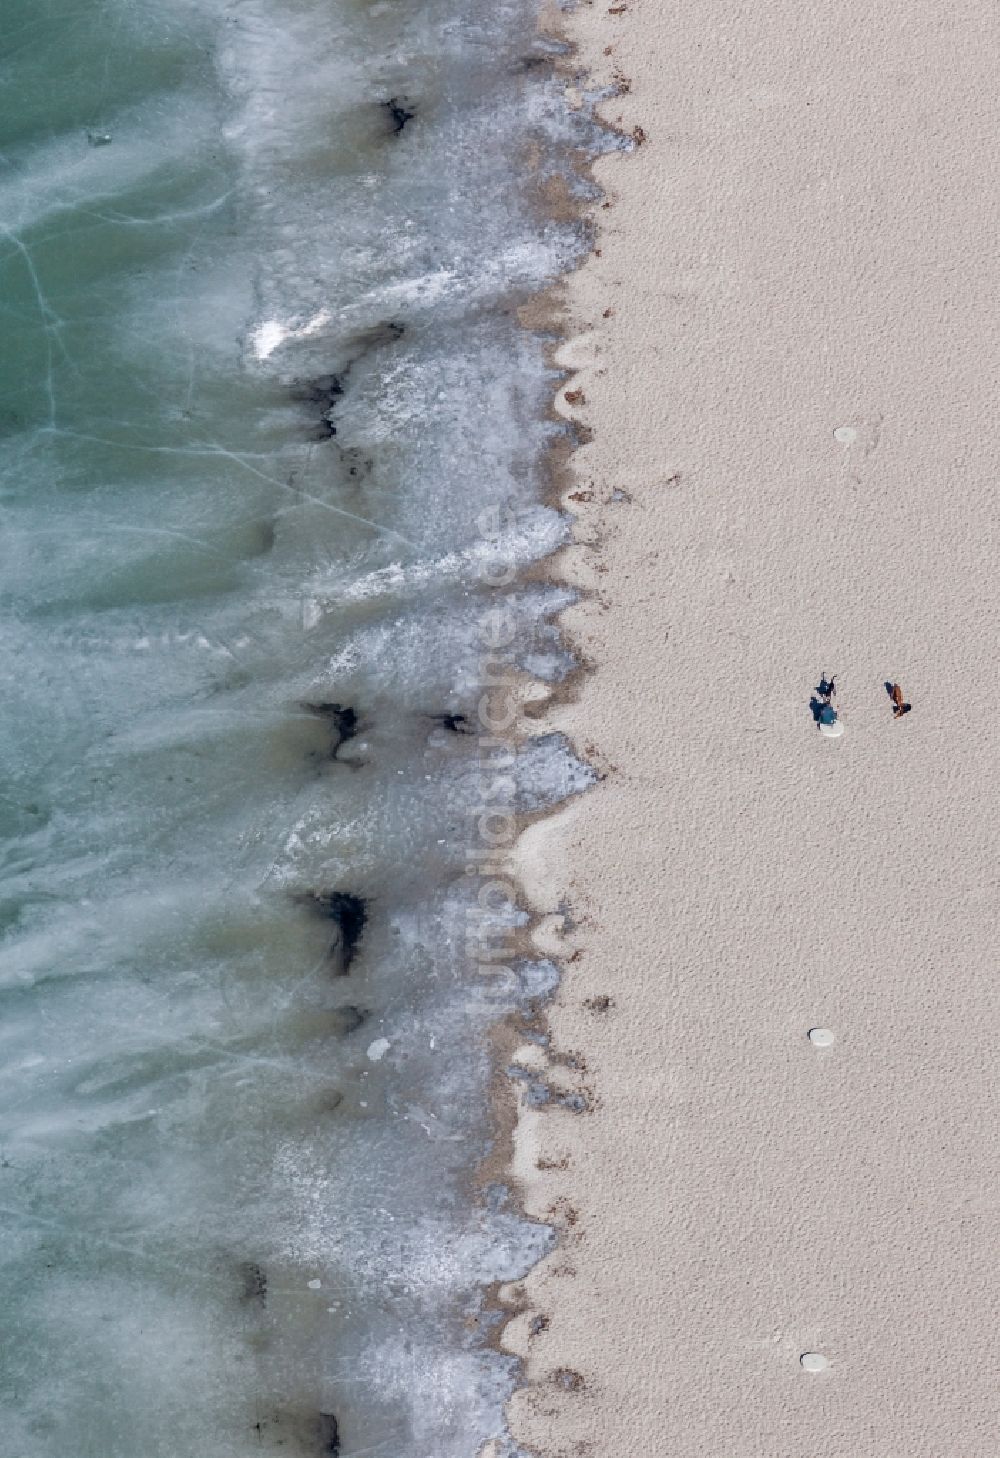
821	1037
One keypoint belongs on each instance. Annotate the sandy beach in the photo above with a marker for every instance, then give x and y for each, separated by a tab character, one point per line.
787	344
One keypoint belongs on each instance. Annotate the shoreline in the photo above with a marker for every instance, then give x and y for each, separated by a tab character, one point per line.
247	461
780	351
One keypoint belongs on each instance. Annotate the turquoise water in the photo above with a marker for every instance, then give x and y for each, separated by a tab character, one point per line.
259	268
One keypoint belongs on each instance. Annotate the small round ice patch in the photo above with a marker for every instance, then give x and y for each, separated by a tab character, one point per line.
845	434
814	1362
821	1037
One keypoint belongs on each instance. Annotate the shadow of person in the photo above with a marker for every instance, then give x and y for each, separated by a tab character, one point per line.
889	686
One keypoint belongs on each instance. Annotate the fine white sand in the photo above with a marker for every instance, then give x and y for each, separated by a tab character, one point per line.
797	390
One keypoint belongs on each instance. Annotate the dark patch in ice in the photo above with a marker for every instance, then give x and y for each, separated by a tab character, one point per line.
254	1280
537	1325
350	914
323	391
326	390
350	1018
266	534
454	723
358	464
343	722
329	1435
532	63
387	332
401	110
312	1434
